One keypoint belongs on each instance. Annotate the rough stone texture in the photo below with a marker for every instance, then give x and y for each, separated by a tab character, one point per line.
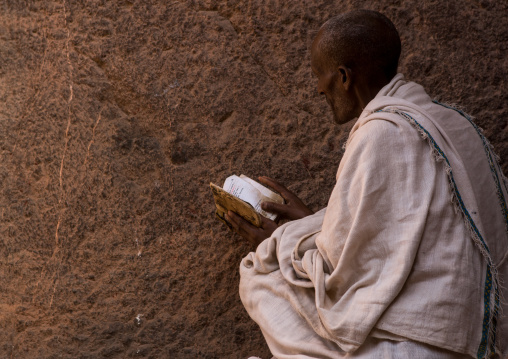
115	116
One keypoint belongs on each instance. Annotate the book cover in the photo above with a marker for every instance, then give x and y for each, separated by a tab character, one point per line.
243	196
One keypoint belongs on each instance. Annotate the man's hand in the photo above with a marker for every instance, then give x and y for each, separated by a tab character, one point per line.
251	233
292	209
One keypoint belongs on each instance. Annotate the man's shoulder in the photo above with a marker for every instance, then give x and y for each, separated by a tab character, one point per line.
384	132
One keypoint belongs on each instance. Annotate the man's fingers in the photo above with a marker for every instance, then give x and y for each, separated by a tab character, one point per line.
232	219
242	227
276	186
280	209
236	221
250	232
268	226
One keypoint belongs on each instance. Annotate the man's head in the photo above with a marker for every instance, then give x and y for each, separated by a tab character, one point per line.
353	56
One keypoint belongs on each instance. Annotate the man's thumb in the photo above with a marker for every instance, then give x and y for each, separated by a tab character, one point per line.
274	207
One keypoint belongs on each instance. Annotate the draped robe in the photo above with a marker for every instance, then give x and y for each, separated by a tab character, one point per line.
412	246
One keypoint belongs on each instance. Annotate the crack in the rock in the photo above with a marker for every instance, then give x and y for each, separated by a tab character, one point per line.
66	146
71	96
93	137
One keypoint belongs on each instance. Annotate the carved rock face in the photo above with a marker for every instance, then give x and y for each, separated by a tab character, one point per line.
116	115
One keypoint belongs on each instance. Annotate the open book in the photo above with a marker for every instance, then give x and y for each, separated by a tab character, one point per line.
243	196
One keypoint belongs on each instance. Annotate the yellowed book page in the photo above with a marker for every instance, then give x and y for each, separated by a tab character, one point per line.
248	193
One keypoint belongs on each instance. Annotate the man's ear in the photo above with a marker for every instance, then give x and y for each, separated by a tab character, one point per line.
345	77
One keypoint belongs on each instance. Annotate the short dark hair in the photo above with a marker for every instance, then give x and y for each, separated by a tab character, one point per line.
361	39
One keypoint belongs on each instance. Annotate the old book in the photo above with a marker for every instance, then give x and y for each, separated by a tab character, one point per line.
243	196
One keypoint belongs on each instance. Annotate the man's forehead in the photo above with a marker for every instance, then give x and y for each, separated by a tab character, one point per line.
315	60
315	49
317	38
318	57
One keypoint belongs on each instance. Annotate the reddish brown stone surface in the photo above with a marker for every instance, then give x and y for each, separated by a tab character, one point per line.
115	116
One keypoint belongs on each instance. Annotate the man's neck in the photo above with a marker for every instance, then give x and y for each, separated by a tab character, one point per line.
367	89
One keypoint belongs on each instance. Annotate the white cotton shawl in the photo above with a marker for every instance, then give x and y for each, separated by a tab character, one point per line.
412	245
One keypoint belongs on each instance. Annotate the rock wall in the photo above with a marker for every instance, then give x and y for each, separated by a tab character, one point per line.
115	116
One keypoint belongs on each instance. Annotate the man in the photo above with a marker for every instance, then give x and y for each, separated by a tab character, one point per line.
407	259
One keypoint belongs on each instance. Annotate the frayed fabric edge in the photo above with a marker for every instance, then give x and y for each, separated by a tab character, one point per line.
494	160
491	154
494	291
